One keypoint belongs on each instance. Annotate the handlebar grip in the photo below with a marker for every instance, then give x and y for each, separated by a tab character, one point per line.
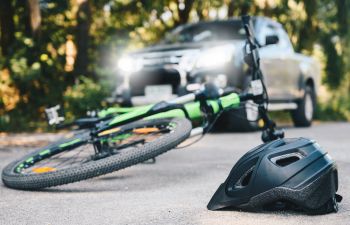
230	100
246	19
248	29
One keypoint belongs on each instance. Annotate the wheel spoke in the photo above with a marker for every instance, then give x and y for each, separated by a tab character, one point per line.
126	140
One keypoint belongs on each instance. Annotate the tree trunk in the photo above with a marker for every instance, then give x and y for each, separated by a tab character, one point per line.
82	37
34	17
231	8
245	7
308	34
342	17
7	27
184	13
199	9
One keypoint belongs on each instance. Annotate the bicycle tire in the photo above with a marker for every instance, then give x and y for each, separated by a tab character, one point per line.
91	169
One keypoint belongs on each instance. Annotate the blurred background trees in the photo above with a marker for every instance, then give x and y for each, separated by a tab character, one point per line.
65	51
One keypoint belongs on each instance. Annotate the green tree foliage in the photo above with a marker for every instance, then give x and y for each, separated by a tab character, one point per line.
65	51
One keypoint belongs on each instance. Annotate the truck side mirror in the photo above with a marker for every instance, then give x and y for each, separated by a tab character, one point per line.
271	40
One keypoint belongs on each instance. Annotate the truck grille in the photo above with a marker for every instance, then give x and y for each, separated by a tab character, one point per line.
163	58
154	71
139	81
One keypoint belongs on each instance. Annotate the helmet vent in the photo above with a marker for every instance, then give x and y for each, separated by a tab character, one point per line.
245	178
287	159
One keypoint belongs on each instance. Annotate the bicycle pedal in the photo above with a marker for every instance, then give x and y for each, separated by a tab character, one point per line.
53	115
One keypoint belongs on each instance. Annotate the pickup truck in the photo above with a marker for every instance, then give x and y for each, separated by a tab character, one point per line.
211	51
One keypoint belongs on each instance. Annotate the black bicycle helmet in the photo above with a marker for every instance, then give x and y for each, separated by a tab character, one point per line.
279	174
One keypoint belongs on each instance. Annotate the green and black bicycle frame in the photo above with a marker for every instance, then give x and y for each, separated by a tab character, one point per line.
198	107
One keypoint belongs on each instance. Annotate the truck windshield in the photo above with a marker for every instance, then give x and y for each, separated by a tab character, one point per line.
209	31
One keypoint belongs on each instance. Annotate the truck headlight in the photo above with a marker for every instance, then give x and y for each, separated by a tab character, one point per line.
215	57
130	65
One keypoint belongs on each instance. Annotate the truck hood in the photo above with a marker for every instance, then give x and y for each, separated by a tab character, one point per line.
184	46
185	53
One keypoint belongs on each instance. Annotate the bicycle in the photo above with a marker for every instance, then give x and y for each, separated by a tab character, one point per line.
111	144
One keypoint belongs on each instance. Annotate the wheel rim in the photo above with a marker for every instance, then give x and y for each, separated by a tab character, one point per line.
309	108
79	152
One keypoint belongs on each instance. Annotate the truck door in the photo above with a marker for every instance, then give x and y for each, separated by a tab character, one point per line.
290	70
273	62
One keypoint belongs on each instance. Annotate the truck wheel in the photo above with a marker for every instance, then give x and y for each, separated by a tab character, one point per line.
244	119
304	114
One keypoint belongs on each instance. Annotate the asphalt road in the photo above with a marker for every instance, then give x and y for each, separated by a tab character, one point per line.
175	190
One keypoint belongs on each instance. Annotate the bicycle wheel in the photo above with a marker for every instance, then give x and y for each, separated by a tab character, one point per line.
82	157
